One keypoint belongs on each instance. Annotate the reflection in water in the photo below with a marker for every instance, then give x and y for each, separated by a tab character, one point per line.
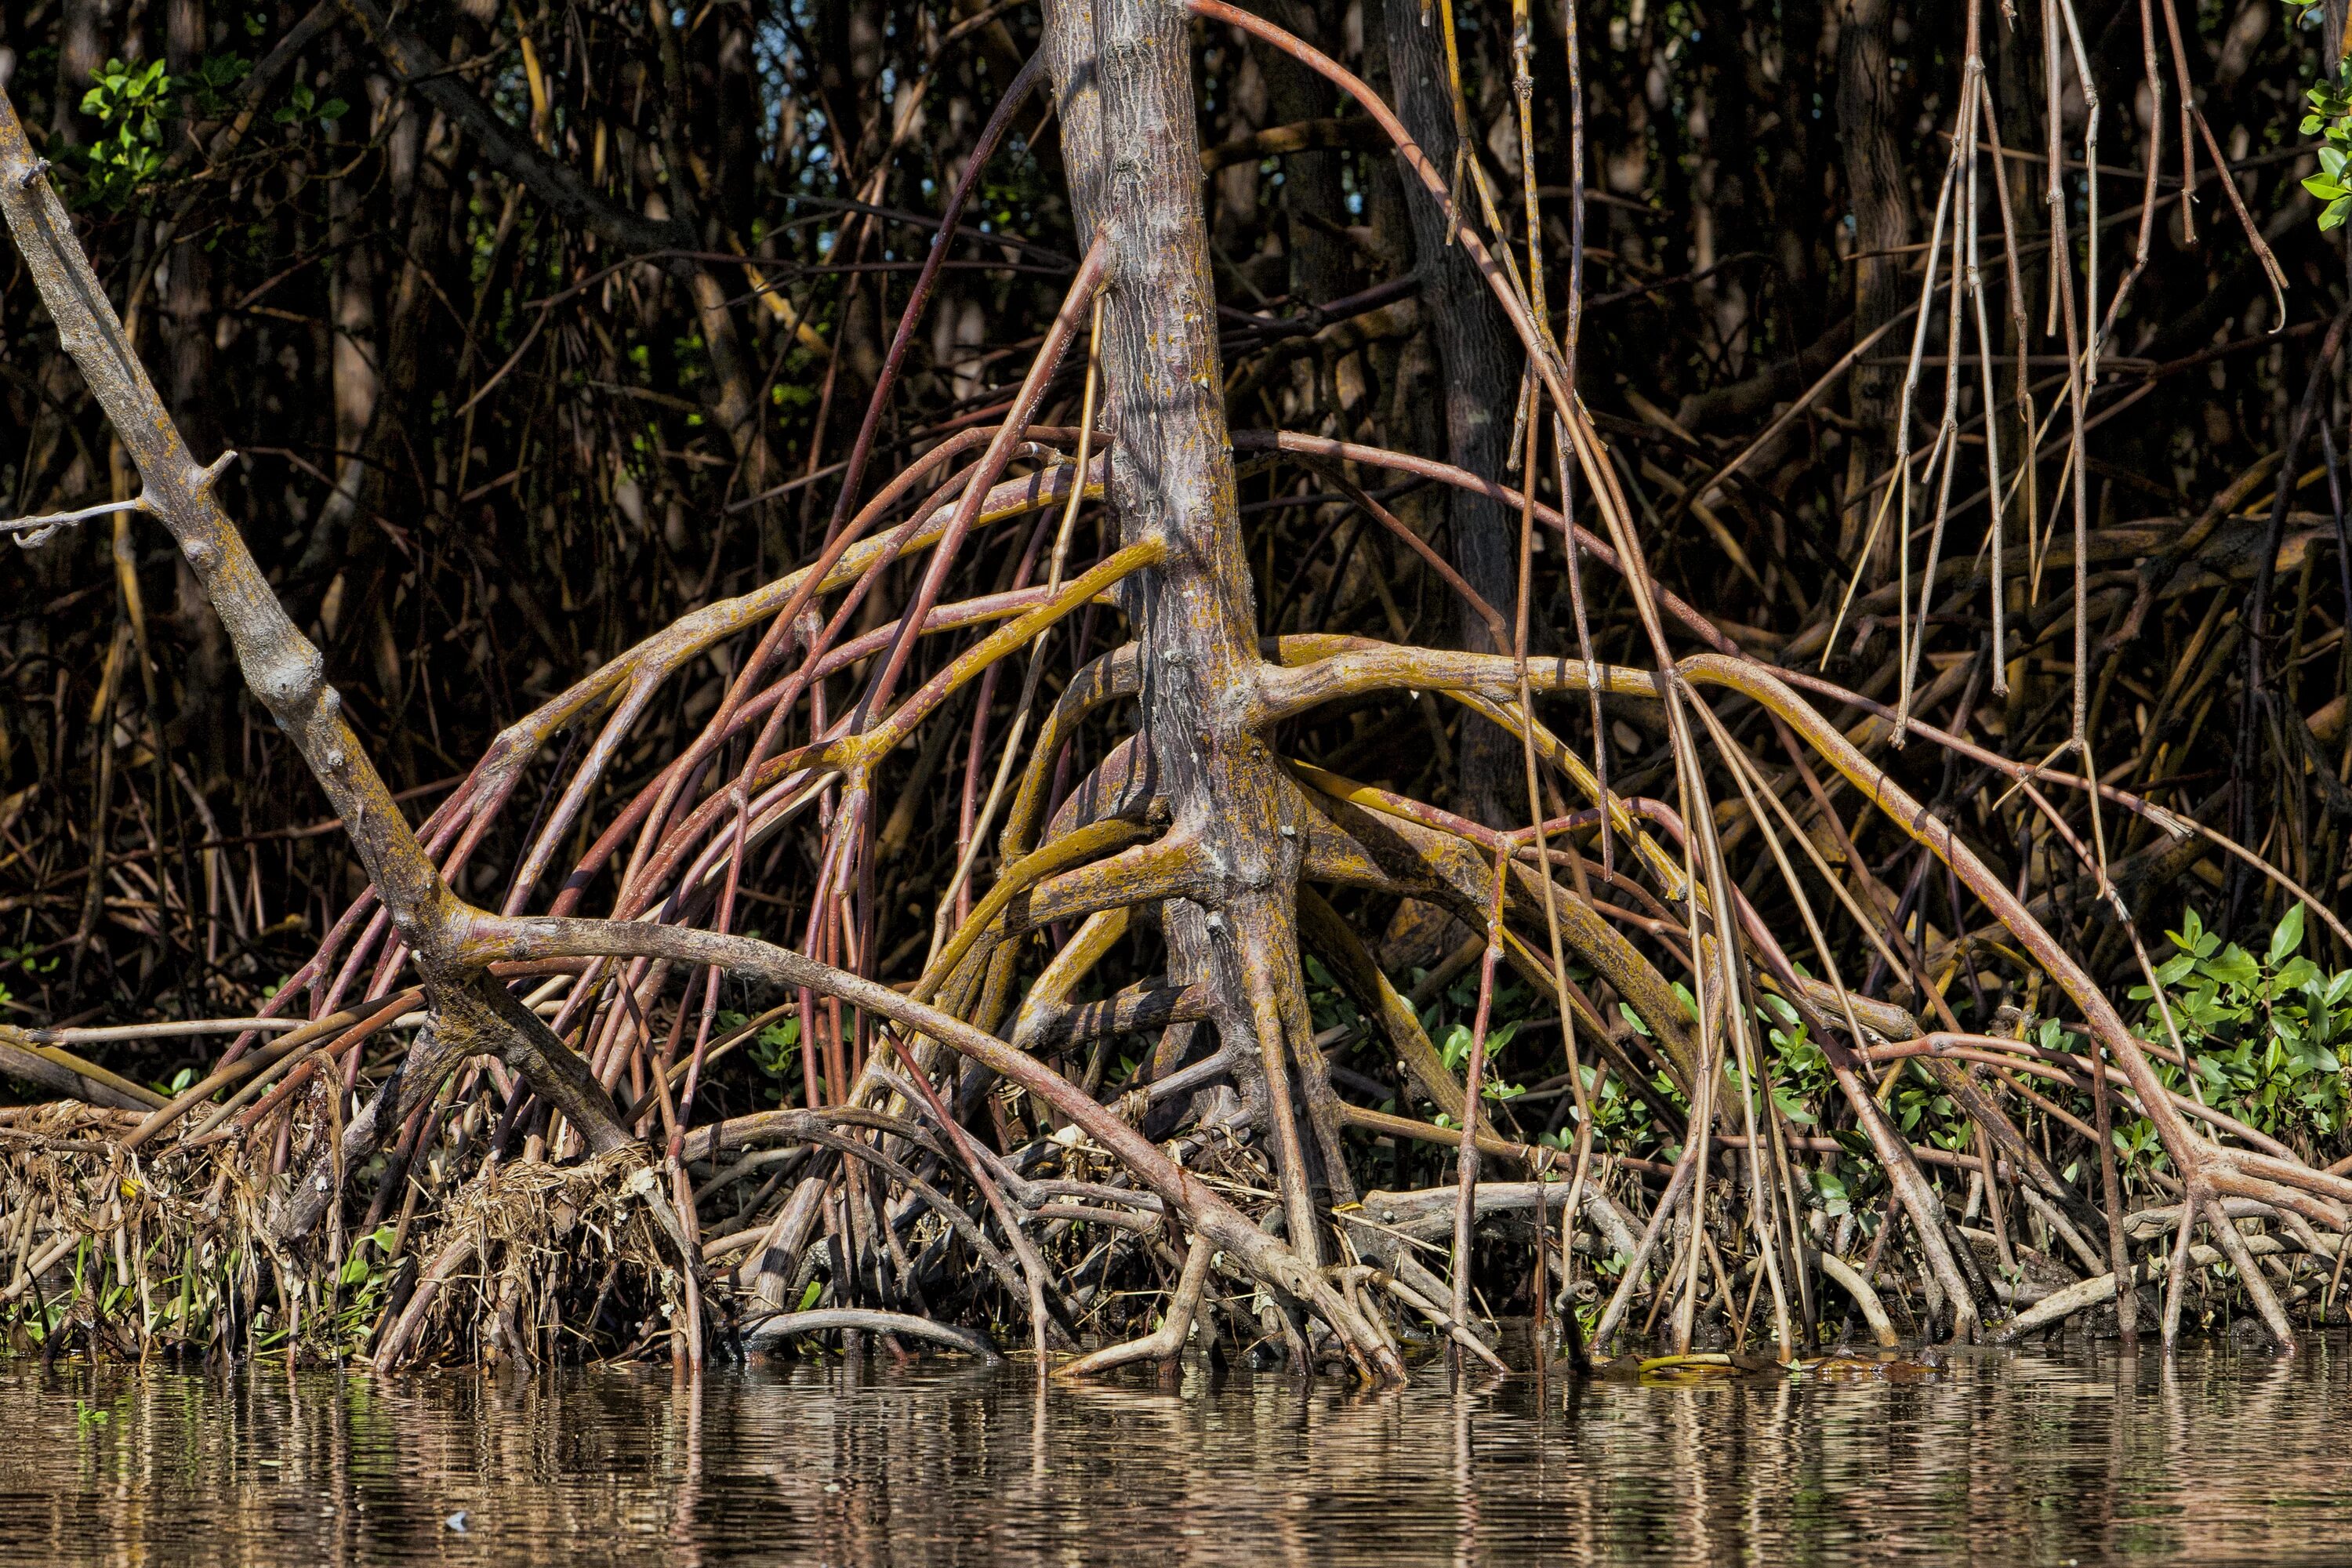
1999	1458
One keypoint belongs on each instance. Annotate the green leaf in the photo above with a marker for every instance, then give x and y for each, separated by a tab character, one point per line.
2288	937
300	104
773	1049
2235	967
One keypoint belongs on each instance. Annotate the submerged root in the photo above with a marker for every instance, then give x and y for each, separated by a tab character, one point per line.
536	1263
699	1048
528	1263
169	1253
143	1252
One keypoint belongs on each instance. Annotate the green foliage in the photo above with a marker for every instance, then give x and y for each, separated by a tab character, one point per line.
1326	1002
129	102
23	957
358	1269
207	91
2330	118
1507	1010
133	103
1620	1119
1800	1073
304	107
1830	1189
2267	1033
776	1051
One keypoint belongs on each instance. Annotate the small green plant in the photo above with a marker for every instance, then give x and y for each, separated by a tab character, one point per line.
26	958
1455	1048
2266	1033
2330	118
1620	1119
208	89
1328	1004
129	101
1830	1189
776	1051
134	103
366	1255
304	107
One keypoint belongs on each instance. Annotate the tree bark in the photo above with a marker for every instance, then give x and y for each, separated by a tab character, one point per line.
1310	181
80	54
1069	46
188	291
1797	168
1881	223
207	712
1478	363
353	357
1195	618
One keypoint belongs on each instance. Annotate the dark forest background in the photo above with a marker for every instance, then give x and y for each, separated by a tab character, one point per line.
492	429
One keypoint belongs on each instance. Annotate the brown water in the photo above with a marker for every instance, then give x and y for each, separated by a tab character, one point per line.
1999	1458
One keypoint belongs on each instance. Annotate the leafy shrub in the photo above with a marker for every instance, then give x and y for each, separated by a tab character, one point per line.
2266	1033
130	103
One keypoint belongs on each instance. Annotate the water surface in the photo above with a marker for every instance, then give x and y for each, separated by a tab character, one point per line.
2032	1457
